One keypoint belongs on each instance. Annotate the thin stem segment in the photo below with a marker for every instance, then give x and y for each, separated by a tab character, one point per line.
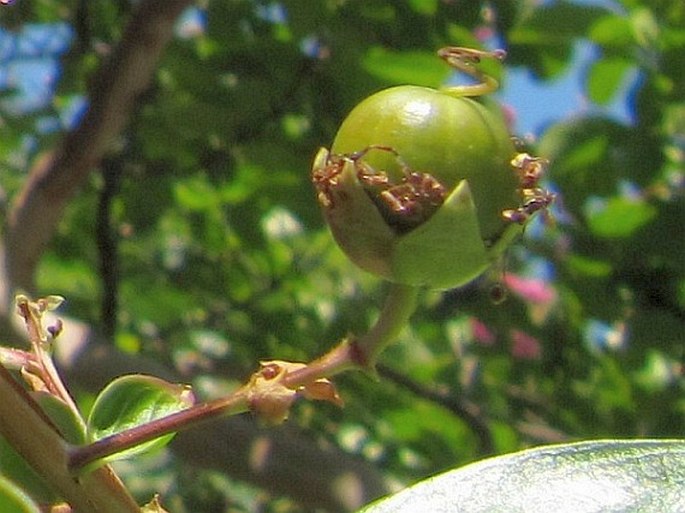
358	353
398	308
81	457
467	60
363	351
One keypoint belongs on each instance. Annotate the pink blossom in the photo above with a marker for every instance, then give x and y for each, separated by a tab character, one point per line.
534	290
525	346
481	333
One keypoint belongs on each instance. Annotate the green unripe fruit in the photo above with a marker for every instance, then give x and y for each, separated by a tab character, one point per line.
450	138
424	187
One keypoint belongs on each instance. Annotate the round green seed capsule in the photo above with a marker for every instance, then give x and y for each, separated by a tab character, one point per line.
416	183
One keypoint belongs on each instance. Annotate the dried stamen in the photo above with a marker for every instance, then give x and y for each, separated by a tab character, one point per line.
533	197
404	205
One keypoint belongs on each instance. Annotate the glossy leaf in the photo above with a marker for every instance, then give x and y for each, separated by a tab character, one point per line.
398	68
586	477
133	400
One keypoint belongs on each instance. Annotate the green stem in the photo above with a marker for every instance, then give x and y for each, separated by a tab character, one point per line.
80	457
33	319
362	352
398	308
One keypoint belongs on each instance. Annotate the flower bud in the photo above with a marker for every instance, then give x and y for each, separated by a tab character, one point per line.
417	183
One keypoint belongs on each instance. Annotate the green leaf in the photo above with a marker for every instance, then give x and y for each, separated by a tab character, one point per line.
587	266
13	499
133	400
196	194
613	31
427	7
619	217
561	21
645	27
609	476
396	68
591	155
605	78
545	38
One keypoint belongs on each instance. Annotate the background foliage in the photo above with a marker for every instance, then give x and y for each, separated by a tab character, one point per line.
196	242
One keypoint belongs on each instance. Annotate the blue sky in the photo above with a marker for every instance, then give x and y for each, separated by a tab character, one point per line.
29	63
539	103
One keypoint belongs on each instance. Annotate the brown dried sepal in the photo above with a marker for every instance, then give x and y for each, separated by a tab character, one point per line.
35	381
270	398
154	506
322	390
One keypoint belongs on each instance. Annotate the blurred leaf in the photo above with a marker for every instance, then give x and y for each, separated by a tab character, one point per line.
561	21
13	499
612	31
133	400
589	266
544	39
662	239
428	7
592	155
657	329
645	27
459	35
170	306
196	194
395	68
605	77
586	477
619	217
72	278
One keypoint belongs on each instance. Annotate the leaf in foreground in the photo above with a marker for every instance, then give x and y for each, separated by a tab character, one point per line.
646	476
130	401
